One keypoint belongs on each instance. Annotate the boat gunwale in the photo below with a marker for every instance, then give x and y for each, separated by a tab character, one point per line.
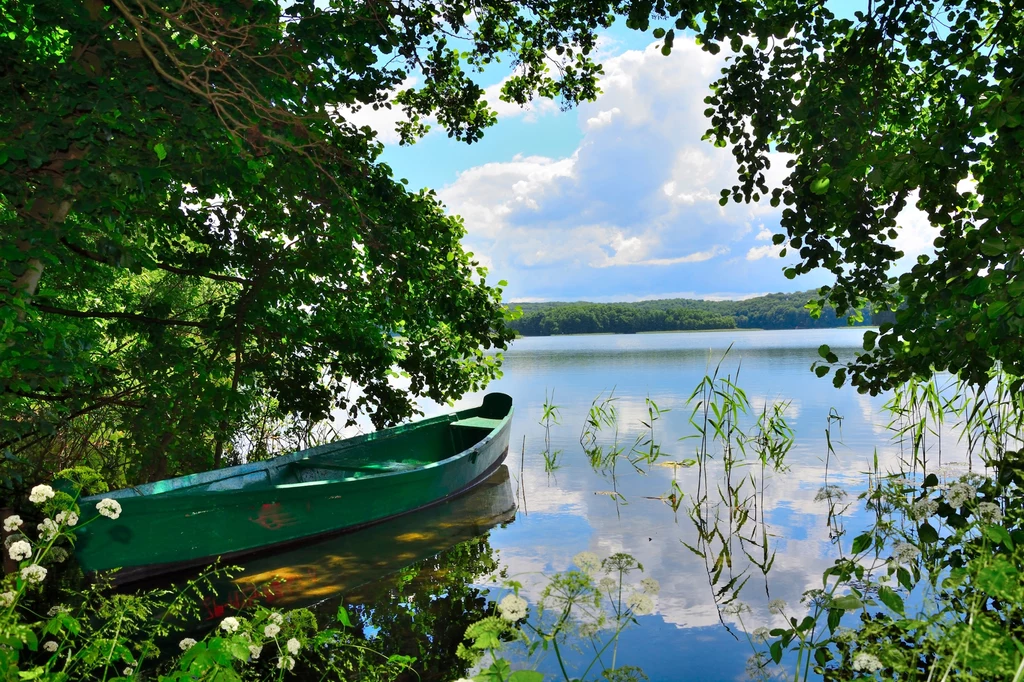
299	455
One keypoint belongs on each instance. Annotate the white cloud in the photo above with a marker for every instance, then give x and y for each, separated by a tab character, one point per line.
641	190
530	111
603	118
382	120
766	251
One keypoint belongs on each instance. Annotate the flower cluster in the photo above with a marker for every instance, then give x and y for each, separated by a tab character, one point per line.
904	552
512	607
40	494
960	493
989	512
864	662
924	509
20	550
109	508
587	562
641	604
776	606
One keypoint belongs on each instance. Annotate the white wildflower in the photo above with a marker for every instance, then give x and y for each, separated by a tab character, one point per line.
760	635
12	523
7	598
293	646
109	508
844	634
129	671
255	651
286	663
904	552
588	630
186	644
33	574
608	584
735	608
989	512
276	618
830	492
58	555
650	586
229	624
66	517
50	646
20	550
640	603
271	630
40	494
960	493
512	608
587	562
923	509
55	610
48	530
868	663
776	606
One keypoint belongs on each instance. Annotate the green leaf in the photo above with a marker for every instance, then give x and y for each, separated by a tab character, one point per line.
862	542
891	599
1000	535
343	617
161	151
927	533
820	185
526	676
847	603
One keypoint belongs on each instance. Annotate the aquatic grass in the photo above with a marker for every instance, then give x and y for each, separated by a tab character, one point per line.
549	416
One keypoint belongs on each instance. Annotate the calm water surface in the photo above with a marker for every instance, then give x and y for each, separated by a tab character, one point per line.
689	636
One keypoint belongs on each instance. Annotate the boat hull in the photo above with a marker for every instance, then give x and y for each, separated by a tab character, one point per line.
176	525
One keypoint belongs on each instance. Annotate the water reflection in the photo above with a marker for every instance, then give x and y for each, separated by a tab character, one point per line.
774	523
324	572
724	530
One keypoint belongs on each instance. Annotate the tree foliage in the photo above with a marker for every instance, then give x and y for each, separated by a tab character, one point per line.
908	102
192	227
773	311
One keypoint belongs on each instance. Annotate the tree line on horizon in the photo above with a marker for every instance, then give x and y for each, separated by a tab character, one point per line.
772	311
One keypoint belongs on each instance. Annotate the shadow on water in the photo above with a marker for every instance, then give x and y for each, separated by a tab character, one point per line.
408	584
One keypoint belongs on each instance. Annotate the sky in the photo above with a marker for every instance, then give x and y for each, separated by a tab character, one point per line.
615	200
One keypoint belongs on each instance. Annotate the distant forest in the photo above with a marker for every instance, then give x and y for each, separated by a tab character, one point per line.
773	311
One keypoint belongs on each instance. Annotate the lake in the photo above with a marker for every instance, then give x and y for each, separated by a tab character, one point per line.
434	564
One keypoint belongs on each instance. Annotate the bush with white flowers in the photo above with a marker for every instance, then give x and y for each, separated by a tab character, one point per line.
593	603
96	635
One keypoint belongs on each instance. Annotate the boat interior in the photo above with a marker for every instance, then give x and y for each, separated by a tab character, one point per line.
389	451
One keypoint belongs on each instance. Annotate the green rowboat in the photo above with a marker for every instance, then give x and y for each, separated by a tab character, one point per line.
192	520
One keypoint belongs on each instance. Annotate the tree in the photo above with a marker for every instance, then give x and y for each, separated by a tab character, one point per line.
909	102
191	226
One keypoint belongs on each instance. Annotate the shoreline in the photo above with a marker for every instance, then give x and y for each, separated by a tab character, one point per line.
698	331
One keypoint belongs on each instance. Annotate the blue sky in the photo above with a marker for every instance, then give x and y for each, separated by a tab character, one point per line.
615	200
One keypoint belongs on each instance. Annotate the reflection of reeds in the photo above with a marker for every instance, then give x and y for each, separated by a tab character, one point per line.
549	415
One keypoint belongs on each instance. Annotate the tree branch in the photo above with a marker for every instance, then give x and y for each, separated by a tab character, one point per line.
85	253
103	315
